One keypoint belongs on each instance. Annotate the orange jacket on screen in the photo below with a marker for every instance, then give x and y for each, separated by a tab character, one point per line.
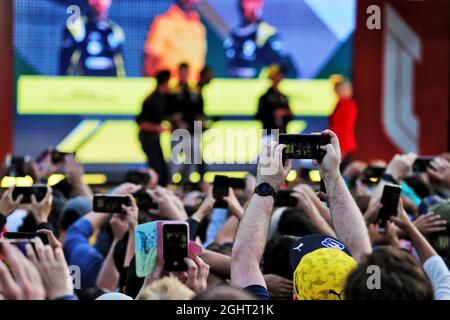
175	37
343	122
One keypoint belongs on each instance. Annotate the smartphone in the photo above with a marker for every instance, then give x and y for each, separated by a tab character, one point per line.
237	183
173	241
138	177
15	165
220	190
144	201
285	199
301	146
146	248
21	239
39	191
422	164
110	203
389	200
58	157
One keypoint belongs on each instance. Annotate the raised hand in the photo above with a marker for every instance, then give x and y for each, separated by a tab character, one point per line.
270	167
19	278
7	204
53	269
41	210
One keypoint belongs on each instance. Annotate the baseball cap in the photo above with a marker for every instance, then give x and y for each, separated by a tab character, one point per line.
74	209
320	265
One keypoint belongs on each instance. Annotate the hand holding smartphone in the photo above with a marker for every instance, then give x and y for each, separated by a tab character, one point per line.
58	157
421	164
389	200
173	245
110	203
303	146
38	190
138	177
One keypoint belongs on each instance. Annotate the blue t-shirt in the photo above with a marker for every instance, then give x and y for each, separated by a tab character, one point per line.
80	253
259	292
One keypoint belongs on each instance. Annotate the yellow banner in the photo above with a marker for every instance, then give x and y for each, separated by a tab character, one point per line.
124	96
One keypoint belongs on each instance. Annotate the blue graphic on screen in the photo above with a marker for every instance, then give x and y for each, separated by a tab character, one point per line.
311	38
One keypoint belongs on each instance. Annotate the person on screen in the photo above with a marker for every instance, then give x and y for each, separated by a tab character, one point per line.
92	44
154	111
255	44
175	37
343	119
273	108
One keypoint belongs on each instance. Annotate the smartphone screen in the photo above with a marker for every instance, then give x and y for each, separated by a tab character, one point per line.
137	177
59	157
285	199
422	164
39	191
389	200
220	190
144	201
110	203
175	244
301	146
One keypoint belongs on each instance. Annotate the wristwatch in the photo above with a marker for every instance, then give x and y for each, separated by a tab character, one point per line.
264	189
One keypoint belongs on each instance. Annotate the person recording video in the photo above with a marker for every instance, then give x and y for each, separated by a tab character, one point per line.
154	111
174	37
92	44
254	44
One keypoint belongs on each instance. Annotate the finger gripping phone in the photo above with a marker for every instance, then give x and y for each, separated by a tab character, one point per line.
303	146
220	190
110	203
389	200
39	191
173	241
285	199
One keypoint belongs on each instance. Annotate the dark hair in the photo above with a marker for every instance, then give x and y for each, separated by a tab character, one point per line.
401	278
162	77
183	65
295	222
276	256
68	218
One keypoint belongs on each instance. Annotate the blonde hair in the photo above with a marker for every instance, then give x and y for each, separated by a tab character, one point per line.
167	288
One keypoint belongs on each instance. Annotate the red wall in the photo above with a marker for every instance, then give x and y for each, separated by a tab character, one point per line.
6	78
430	20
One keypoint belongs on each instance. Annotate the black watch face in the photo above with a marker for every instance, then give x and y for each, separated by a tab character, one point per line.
264	188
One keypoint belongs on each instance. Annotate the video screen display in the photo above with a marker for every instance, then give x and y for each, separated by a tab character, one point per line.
83	67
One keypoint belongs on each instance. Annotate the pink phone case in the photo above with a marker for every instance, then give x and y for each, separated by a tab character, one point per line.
160	236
